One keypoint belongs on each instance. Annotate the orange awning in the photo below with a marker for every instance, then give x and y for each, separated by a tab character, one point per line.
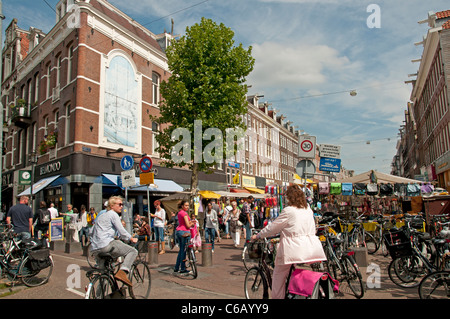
239	190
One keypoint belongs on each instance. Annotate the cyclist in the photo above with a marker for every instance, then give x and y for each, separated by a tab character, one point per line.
298	240
106	226
183	235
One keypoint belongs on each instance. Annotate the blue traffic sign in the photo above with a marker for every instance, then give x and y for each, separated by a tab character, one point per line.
328	164
127	162
146	164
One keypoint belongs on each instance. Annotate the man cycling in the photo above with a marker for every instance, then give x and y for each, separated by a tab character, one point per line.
106	227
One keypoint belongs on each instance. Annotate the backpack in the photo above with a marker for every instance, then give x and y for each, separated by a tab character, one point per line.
44	216
243	218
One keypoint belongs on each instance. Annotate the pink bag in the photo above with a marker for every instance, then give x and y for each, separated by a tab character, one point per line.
303	281
197	240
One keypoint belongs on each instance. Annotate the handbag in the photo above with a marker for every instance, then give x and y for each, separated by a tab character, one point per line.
242	219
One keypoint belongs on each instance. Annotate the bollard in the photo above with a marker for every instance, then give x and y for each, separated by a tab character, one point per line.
360	256
207	254
153	252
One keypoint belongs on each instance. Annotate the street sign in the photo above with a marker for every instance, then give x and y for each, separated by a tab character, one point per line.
128	178
24	177
305	167
306	146
330	151
146	164
146	178
330	164
126	162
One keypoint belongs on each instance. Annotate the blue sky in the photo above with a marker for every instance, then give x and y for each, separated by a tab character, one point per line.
306	52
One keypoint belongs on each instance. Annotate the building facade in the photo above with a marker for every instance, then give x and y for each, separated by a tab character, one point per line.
424	147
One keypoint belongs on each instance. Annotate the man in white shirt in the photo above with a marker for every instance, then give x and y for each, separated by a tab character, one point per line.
53	211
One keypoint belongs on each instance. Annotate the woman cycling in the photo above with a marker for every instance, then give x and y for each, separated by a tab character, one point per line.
183	235
298	240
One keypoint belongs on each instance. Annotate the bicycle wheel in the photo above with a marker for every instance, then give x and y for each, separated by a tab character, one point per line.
255	284
406	272
353	276
101	287
140	277
34	278
435	285
371	243
247	261
191	263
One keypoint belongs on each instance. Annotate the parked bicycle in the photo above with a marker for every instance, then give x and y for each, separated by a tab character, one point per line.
382	226
27	260
340	262
414	254
103	284
435	285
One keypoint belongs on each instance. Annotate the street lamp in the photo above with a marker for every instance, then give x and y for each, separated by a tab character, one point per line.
114	152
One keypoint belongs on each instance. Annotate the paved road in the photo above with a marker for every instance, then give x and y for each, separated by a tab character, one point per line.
223	280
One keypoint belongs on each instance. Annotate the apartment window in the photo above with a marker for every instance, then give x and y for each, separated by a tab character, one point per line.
20	146
155	130
49	70
34	137
67	120
69	64
58	70
156	83
36	88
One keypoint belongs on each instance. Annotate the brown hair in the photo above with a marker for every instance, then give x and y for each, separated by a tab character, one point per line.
296	196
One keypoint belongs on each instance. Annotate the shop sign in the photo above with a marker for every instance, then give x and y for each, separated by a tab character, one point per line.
50	168
330	151
24	177
248	181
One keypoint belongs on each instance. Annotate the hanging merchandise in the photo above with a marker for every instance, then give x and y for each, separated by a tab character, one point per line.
335	188
386	189
347	189
324	188
360	188
372	189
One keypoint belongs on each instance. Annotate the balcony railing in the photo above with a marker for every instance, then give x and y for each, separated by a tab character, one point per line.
20	116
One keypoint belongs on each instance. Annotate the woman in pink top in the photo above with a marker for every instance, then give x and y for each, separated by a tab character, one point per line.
184	225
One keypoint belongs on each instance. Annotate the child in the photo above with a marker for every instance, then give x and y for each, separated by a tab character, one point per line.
195	235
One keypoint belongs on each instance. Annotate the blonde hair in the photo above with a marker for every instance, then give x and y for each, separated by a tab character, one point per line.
112	200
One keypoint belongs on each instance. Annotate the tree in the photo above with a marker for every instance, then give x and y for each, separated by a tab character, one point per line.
203	98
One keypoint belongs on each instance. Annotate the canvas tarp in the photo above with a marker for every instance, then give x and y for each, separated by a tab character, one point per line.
382	178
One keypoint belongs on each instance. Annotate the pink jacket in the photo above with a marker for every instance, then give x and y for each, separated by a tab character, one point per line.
298	240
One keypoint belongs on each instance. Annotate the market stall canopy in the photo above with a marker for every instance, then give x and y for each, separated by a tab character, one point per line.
381	178
239	194
170	203
209	194
254	190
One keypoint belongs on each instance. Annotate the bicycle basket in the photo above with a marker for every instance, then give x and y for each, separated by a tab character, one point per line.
398	244
255	249
39	259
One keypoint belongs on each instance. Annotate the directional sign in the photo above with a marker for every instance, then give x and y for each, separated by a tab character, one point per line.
330	164
146	164
127	162
306	146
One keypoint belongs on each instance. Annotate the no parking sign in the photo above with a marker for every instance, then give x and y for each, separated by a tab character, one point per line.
306	146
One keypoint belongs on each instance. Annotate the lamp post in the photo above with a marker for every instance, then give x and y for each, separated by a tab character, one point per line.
33	160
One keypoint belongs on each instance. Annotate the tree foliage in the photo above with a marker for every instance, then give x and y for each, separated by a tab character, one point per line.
207	84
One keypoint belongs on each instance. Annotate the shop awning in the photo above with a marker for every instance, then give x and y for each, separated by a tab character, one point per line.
37	187
209	194
254	190
238	190
160	185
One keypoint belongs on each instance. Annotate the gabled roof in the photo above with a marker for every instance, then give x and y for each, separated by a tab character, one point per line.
443	14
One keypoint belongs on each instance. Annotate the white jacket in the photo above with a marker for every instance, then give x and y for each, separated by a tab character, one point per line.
298	240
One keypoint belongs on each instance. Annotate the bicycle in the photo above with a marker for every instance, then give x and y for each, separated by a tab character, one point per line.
27	260
103	284
258	279
246	259
382	226
357	236
191	259
407	247
435	285
340	261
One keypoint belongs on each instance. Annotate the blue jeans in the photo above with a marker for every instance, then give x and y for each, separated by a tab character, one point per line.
248	232
182	241
159	232
210	235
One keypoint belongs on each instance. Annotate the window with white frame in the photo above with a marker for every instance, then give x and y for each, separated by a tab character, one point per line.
155	87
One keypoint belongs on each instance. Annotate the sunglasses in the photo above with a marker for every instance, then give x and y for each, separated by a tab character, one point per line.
120	204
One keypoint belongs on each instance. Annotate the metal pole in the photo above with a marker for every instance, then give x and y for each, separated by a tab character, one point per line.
1	104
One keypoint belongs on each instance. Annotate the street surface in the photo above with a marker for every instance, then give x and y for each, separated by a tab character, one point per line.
223	280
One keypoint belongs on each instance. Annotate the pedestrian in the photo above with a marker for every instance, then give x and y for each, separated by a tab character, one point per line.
91	217
159	223
247	211
298	240
235	224
84	231
226	220
103	241
183	235
66	215
41	225
195	234
210	225
53	211
144	232
21	217
216	207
